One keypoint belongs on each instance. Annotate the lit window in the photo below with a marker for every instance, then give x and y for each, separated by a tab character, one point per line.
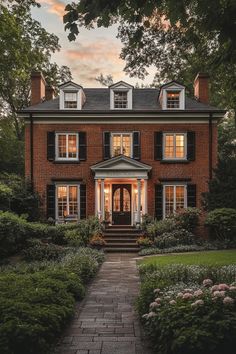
174	146
174	199
70	100
67	202
120	99
173	99
121	144
67	146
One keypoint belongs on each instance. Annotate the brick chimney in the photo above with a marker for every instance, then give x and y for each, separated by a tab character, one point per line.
38	84
201	87
49	93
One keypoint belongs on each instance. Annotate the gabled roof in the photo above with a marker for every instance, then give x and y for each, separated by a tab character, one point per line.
121	84
121	163
69	83
172	83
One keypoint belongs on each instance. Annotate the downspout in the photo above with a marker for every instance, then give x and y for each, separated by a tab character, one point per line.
31	150
210	146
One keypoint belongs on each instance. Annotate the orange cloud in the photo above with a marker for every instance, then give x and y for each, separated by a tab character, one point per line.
56	7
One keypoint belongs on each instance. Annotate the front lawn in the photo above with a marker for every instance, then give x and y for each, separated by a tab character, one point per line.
220	258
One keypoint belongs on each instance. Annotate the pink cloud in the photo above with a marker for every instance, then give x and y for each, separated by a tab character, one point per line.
56	7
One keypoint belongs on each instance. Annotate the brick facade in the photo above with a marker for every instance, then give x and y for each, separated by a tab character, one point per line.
45	171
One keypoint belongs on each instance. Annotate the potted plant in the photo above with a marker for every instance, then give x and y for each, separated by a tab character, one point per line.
97	241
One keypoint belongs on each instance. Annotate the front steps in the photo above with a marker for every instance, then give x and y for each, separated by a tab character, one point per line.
121	239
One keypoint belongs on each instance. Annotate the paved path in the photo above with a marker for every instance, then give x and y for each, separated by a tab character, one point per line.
105	322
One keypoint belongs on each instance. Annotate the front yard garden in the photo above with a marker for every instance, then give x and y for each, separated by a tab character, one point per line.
187	303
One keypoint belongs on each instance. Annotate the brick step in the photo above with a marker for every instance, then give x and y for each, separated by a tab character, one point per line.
122	250
121	231
122	235
120	239
122	244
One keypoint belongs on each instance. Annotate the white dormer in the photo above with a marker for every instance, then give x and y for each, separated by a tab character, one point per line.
72	96
172	96
121	96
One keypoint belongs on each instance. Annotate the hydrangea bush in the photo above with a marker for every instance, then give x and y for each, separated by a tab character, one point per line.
193	319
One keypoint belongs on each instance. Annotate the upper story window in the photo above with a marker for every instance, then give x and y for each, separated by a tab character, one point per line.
173	99
70	100
121	144
67	146
172	96
120	99
121	95
175	146
72	96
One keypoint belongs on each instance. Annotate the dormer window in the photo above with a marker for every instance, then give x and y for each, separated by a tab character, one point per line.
121	95
120	99
172	96
71	96
173	99
70	99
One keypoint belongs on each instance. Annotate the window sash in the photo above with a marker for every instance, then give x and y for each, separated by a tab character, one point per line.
68	147
68	203
70	99
173	99
174	203
120	99
174	148
121	143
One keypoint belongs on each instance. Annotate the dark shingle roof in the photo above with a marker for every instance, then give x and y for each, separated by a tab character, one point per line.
98	99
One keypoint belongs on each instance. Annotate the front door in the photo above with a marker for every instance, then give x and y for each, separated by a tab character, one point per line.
121	204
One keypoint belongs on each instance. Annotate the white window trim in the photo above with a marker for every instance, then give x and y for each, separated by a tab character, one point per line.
181	98
164	145
79	98
57	147
129	98
164	196
121	134
67	185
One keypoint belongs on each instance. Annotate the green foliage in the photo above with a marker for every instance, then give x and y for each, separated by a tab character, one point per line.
223	223
144	241
5	196
40	251
187	218
174	238
146	220
159	227
180	249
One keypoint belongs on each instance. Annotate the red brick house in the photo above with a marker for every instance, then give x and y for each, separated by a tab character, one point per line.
119	152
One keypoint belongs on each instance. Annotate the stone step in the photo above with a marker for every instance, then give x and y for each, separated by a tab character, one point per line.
121	245
122	250
120	239
125	235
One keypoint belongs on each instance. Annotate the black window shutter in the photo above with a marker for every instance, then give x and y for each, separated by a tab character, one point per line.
51	200
159	201
82	146
136	146
191	195
106	145
191	146
51	146
158	143
83	201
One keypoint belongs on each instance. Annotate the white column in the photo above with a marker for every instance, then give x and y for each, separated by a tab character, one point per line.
102	200
139	201
145	197
96	197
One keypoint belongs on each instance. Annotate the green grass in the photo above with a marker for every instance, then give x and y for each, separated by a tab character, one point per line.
225	257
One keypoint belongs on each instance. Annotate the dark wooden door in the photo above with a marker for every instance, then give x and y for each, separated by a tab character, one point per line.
121	204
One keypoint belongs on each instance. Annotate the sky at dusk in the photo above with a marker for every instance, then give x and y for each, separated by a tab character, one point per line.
94	52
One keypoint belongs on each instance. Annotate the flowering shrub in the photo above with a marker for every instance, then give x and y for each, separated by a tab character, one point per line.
97	241
187	218
144	241
222	223
178	249
196	319
174	238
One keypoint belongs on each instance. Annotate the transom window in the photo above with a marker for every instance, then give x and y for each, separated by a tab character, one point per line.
67	201
120	99
121	144
174	199
70	100
67	146
174	146
173	99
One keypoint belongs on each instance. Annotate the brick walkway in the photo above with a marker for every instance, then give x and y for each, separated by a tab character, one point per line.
105	322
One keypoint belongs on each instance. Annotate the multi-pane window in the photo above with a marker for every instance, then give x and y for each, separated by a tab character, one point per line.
174	146
121	144
67	146
67	201
70	100
174	199
173	99
120	99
